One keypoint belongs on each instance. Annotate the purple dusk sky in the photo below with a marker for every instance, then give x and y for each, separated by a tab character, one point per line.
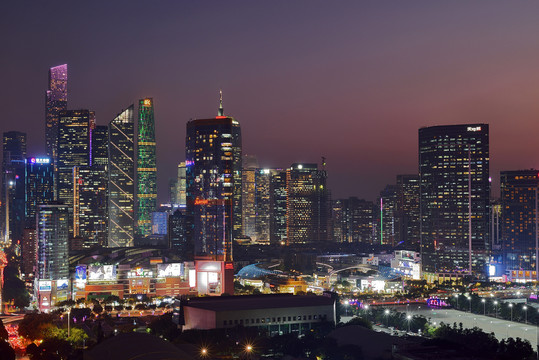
349	80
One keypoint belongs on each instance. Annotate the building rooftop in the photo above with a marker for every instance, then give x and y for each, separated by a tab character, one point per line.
255	302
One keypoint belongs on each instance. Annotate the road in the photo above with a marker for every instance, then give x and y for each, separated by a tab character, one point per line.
502	329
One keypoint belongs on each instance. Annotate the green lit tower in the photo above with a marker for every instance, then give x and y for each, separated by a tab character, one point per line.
146	168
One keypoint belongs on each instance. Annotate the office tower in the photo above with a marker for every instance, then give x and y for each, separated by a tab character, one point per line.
121	179
55	102
181	184
353	220
340	218
14	154
214	164
408	211
248	196
39	179
90	205
73	149
263	205
178	235
146	168
454	173
99	141
160	223
278	201
518	198
307	209
29	251
52	237
388	212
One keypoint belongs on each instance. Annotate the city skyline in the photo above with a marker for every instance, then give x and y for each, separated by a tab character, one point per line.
345	82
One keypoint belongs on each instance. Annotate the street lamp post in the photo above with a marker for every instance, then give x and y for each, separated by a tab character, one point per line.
511	307
409	317
484	306
496	307
525	308
386	312
470	301
457	297
69	322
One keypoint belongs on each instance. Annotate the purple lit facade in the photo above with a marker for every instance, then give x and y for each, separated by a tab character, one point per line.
55	101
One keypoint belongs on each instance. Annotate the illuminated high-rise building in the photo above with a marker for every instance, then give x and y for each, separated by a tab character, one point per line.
13	171
74	143
248	196
278	201
407	230
214	164
52	224
307	210
353	220
388	216
99	145
455	193
146	168
55	102
518	196
121	187
90	205
263	205
39	180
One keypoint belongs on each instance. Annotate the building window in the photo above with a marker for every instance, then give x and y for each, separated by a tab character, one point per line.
224	323
278	319
258	320
314	317
236	322
273	320
290	318
310	317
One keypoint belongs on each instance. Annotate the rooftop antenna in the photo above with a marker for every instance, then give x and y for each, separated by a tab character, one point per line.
220	112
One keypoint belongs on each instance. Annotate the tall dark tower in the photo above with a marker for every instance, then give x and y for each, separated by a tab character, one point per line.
213	162
121	187
55	102
39	179
146	168
454	199
13	189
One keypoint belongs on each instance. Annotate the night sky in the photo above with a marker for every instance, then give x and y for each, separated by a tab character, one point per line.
349	80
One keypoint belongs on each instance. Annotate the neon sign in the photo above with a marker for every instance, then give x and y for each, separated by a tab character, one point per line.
40	160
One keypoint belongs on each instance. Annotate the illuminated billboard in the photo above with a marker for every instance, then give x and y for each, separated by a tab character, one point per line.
170	270
62	284
139	272
80	273
45	285
101	272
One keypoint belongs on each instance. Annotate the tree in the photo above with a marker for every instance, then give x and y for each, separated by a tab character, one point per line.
77	336
32	326
14	288
3	332
6	351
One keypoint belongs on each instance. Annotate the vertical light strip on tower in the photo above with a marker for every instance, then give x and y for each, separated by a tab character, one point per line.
146	168
56	101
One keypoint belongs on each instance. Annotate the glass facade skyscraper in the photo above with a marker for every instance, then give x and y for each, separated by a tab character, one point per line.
214	164
13	189
74	144
519	191
455	193
121	187
55	102
39	187
52	239
146	168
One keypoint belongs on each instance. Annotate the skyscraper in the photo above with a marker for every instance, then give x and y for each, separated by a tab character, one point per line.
278	201
146	168
353	220
408	211
248	196
74	143
90	205
388	215
99	140
13	189
55	102
214	164
307	209
52	238
519	192
455	191
39	187
121	186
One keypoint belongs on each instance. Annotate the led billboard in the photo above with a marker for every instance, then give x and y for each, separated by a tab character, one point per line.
101	272
170	270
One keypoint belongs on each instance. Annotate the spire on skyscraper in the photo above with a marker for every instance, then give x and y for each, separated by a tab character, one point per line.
220	112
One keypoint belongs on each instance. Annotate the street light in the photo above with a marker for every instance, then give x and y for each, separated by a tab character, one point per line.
511	307
69	322
409	317
203	352
457	297
470	301
496	307
386	312
484	306
525	308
